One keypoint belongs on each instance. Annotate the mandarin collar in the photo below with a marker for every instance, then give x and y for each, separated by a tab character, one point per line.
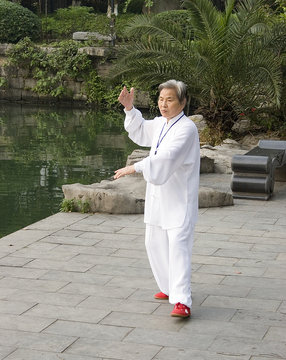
174	119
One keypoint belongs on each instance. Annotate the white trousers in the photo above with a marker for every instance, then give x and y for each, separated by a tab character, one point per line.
169	252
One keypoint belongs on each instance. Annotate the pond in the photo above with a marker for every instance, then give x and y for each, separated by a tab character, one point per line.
42	148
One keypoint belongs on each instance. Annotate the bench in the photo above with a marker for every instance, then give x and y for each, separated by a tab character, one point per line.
85	35
254	172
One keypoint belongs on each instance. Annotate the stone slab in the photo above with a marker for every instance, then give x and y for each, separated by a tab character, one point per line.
122	305
67	313
88	330
260	317
164	323
170	338
113	349
5	351
25	354
242	346
224	328
24	323
241	303
35	341
15	307
43	297
171	353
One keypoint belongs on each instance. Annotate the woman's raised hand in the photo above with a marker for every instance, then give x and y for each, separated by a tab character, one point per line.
126	98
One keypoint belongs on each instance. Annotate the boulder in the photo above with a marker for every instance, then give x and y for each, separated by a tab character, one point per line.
206	166
209	197
123	196
126	195
82	36
199	121
222	154
242	126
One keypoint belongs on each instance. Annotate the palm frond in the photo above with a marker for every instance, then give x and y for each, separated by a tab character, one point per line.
230	60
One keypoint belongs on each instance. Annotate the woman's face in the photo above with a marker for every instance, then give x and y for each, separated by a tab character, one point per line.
169	104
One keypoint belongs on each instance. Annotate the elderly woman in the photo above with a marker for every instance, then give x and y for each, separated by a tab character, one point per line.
172	174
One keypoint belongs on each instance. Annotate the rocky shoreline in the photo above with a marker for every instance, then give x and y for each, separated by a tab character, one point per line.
127	195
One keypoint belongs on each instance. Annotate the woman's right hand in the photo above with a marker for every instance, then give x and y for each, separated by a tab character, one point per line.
126	98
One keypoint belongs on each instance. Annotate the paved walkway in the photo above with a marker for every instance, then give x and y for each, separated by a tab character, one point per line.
79	287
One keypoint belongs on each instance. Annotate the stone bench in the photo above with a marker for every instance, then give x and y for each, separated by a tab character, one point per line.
85	35
254	172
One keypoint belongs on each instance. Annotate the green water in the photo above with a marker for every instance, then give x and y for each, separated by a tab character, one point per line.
43	148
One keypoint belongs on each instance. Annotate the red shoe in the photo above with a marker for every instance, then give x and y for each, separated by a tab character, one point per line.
161	296
181	310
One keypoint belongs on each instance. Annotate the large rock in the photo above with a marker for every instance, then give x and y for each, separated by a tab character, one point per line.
123	196
222	154
127	195
209	197
86	35
206	165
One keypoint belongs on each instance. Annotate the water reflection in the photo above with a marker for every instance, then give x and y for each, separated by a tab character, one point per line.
43	148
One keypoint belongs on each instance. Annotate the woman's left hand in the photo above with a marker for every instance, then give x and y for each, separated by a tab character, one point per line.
124	171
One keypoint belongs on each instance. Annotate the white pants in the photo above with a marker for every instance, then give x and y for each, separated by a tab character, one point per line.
169	252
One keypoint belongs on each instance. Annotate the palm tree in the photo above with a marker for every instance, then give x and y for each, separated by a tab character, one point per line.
220	56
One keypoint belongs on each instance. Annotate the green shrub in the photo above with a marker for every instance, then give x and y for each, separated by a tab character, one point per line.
75	205
51	69
121	22
64	22
17	22
178	17
133	6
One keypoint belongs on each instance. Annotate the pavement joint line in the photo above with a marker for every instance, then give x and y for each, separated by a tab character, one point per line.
42	331
23	313
77	338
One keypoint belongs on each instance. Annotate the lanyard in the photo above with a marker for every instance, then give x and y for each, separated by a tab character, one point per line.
161	139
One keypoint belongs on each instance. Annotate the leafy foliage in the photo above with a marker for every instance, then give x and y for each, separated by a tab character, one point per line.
101	92
221	56
17	22
64	22
51	68
74	205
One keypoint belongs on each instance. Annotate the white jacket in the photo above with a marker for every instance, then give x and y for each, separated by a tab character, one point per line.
172	174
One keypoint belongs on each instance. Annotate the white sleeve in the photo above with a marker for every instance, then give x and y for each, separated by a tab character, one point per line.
139	166
139	130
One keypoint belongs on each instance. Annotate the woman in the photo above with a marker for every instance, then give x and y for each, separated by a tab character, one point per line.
172	174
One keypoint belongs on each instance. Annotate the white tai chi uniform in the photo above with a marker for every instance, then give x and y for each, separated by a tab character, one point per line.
171	204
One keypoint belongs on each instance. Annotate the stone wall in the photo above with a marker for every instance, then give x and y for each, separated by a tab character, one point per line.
18	84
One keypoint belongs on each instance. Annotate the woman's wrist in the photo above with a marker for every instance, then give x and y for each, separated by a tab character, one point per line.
128	108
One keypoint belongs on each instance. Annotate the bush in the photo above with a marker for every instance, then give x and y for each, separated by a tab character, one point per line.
178	17
133	6
65	22
17	22
50	69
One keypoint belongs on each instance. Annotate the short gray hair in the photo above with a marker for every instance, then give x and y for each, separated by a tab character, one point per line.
179	86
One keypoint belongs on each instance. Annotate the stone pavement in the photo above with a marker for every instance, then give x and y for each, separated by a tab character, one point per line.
79	287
